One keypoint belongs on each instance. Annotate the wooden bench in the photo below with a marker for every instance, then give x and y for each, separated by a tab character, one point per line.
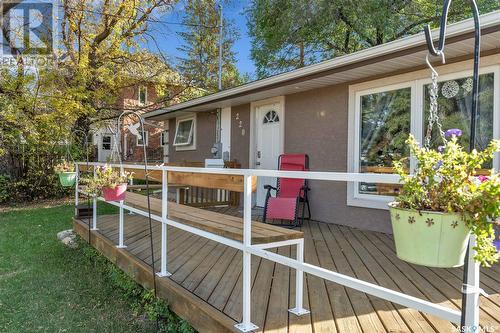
216	223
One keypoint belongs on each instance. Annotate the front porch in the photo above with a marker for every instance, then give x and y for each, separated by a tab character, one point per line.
206	282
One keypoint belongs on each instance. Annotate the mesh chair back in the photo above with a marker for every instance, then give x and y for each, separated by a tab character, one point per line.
290	187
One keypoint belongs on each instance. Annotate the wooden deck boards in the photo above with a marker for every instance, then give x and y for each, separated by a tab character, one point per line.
212	272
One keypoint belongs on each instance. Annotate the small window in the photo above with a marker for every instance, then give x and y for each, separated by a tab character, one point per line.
271	117
106	142
144	138
164	138
184	132
143	95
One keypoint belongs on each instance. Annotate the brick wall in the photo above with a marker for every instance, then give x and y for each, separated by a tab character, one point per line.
132	151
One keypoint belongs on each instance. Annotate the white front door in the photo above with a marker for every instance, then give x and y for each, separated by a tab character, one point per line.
268	138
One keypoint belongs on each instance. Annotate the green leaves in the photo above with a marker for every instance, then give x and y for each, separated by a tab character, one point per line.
447	181
288	34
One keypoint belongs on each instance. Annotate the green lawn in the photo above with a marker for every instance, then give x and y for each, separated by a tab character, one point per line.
47	287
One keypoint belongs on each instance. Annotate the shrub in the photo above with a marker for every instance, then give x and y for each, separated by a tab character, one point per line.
5	188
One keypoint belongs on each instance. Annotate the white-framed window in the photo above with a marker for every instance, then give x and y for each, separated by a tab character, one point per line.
381	118
144	139
142	95
185	133
164	138
106	142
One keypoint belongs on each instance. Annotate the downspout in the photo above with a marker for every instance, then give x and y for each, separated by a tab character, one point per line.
217	147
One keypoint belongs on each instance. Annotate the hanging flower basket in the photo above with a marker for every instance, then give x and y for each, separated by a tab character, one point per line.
443	201
116	193
429	238
67	179
109	182
66	172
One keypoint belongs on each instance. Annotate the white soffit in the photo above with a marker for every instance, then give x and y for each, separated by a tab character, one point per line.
344	69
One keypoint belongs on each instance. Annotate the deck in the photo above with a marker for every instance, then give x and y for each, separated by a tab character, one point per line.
205	287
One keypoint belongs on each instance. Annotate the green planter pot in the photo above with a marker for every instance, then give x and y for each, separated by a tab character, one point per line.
427	238
67	179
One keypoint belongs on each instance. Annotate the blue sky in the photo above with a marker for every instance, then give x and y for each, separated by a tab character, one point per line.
168	40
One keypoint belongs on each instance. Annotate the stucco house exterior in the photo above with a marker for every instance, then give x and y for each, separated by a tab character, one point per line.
351	113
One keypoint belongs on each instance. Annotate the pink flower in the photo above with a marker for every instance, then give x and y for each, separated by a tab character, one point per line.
482	178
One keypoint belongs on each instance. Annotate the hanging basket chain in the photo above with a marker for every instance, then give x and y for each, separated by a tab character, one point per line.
433	106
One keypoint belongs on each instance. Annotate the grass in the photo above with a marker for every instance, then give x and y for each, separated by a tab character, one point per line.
47	287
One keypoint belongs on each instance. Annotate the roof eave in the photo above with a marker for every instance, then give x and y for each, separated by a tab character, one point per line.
453	30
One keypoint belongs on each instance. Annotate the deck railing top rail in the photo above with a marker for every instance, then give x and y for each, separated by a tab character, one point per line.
312	175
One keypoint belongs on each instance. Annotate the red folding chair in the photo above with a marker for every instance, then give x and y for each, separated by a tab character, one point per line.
290	192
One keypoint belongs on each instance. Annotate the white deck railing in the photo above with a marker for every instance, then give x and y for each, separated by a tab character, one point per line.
248	249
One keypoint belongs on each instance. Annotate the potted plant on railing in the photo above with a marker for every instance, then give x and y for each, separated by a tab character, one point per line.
443	201
66	172
111	183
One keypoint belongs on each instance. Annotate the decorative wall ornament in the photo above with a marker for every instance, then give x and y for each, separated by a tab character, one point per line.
240	123
467	86
450	89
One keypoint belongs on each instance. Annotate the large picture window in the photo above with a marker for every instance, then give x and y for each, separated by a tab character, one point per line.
382	118
184	138
385	124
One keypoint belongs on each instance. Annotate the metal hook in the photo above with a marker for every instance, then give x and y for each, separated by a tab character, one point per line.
477	47
146	173
430	65
442	32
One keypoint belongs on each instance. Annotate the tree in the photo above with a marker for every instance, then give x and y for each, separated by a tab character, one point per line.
103	56
201	46
99	55
288	34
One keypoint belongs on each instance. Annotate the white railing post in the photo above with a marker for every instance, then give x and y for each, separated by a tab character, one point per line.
298	310
77	180
164	214
121	218
131	183
472	287
94	210
246	325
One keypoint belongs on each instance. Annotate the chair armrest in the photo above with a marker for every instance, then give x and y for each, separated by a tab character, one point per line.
270	187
